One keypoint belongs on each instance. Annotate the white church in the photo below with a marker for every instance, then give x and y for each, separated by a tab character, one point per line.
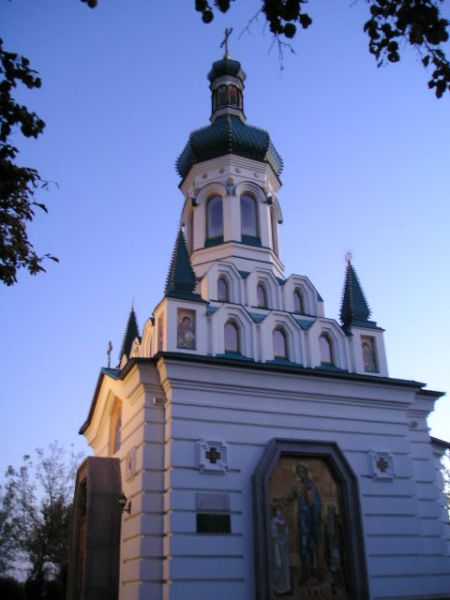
248	447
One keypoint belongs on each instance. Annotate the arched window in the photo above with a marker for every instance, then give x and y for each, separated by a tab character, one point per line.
221	96
232	337
249	217
214	218
233	95
223	292
261	296
326	350
299	306
280	345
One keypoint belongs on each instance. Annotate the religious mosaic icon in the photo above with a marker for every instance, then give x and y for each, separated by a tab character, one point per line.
186	328
308	548
369	354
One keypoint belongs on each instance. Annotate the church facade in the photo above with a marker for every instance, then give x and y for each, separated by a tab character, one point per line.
247	446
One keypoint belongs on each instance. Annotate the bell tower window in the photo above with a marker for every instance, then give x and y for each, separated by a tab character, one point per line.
249	218
227	96
214	218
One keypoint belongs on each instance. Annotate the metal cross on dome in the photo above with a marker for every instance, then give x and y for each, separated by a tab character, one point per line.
224	44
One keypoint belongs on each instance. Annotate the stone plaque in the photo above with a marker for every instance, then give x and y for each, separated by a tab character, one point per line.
212	503
215	523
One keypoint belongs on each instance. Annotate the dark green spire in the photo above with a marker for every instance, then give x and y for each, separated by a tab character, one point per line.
131	332
354	307
181	279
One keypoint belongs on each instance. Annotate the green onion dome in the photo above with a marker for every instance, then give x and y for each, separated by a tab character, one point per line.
228	132
228	135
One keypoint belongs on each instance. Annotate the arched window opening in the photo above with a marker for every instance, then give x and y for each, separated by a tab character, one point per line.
223	292
232	337
299	306
326	350
249	217
261	296
214	218
280	345
233	95
221	96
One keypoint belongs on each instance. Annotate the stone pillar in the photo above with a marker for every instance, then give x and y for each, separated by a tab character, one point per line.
95	532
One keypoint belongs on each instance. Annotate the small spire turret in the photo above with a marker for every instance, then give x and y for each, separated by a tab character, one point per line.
131	332
354	307
181	279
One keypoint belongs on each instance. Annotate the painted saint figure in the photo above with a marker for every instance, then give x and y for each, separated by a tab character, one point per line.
333	546
308	521
279	534
185	331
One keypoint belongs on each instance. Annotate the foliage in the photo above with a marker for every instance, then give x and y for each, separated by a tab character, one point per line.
17	184
35	509
417	23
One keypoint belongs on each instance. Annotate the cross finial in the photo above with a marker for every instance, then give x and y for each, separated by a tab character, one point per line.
224	44
109	349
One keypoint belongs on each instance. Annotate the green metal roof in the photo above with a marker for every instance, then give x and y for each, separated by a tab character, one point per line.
181	279
228	135
354	307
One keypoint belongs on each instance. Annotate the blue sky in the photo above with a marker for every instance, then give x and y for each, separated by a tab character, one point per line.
366	155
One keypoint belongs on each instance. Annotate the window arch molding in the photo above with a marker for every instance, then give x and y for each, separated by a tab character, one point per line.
295	338
252	189
246	325
271	285
312	303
